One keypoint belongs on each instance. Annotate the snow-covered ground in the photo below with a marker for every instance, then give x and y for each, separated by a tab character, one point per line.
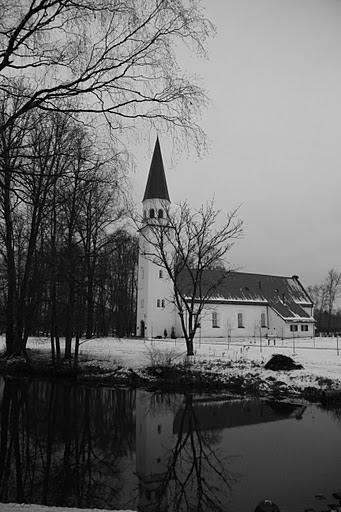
23	507
320	357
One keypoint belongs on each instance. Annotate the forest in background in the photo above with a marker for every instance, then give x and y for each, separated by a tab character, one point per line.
78	79
68	255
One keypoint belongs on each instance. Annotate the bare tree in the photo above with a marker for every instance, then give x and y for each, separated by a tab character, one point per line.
324	297
115	58
196	477
30	155
100	209
332	286
190	245
40	154
317	292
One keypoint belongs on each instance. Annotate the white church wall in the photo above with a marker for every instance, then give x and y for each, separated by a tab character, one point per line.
281	329
155	297
250	320
161	306
277	325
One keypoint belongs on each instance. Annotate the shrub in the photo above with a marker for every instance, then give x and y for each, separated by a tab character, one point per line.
158	357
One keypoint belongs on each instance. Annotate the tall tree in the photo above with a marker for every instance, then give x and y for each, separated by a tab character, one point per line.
116	58
187	244
100	208
29	158
324	296
46	161
332	286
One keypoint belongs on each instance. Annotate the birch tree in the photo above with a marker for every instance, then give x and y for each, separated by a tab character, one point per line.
115	58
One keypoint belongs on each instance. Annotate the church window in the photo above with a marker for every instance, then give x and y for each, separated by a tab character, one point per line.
160	274
215	322
304	327
158	303
163	303
293	328
262	320
152	213
160	214
240	320
159	429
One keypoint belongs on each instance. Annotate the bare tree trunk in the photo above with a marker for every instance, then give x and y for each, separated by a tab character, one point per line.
76	353
90	299
69	319
13	340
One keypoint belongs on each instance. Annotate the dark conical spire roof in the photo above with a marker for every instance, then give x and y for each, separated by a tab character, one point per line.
156	187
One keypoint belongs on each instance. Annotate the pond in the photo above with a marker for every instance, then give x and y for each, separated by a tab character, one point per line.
69	445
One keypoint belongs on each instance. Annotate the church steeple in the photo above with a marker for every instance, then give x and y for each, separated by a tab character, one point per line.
156	314
156	187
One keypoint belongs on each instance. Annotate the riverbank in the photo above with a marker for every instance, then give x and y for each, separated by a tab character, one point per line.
25	507
236	366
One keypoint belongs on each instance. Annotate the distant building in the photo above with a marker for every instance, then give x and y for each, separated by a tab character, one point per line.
242	304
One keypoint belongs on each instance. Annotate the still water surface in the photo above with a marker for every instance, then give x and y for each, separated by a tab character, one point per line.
69	445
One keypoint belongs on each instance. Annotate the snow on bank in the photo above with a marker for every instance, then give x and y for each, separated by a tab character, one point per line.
23	507
320	357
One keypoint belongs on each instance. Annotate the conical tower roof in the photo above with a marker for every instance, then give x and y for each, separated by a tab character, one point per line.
156	187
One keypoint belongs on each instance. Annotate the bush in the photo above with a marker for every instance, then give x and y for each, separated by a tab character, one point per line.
165	357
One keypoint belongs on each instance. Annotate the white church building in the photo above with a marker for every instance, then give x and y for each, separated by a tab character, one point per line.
242	304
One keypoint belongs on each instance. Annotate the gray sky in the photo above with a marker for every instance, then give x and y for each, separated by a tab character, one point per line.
274	128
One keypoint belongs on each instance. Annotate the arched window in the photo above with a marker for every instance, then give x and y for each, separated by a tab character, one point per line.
163	303
152	213
160	274
160	214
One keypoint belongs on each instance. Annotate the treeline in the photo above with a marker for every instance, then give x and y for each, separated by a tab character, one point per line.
68	266
325	297
64	66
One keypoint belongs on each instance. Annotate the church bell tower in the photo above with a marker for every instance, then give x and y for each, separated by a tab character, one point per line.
155	309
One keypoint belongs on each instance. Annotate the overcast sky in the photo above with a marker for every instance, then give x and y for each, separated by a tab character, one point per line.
274	128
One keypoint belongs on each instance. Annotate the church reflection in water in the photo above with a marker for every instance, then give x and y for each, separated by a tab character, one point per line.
68	445
178	460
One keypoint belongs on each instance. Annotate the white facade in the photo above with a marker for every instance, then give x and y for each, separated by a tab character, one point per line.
250	305
249	320
156	313
235	320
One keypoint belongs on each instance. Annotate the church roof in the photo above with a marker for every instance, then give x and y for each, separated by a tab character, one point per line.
285	295
156	187
213	414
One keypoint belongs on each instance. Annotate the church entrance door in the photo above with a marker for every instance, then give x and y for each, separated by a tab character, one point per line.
142	329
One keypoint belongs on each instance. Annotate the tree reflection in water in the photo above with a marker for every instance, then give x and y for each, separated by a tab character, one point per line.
191	475
68	445
62	444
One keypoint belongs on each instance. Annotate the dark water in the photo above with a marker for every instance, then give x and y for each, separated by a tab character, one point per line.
69	445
